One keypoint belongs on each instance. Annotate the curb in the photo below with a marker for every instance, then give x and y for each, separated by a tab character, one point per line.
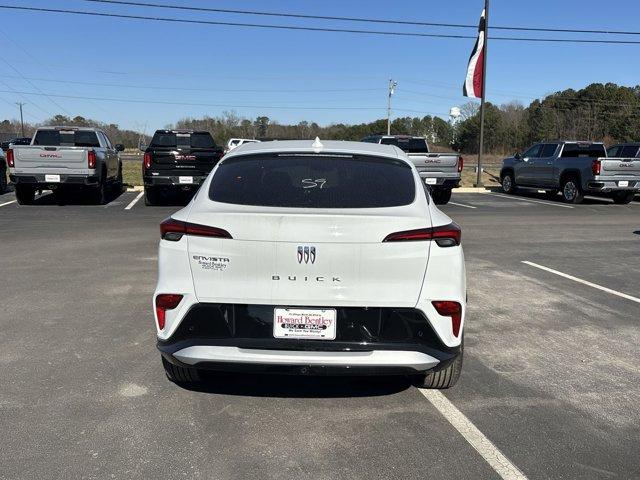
135	188
471	190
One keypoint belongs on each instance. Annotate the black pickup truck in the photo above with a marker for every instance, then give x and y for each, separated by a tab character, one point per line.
177	160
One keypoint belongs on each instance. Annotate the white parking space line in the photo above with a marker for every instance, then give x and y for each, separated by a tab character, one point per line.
461	205
7	203
584	282
134	201
487	450
511	197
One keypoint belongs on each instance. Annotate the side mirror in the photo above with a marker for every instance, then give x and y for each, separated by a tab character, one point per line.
142	147
517	156
119	147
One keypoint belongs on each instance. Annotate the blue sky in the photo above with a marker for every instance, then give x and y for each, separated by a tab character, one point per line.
193	65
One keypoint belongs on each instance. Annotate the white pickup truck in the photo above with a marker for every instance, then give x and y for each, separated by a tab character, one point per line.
65	159
440	171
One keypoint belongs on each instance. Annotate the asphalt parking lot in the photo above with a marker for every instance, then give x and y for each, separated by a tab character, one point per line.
551	376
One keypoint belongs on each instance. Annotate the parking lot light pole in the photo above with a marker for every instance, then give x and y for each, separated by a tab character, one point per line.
392	88
484	83
21	104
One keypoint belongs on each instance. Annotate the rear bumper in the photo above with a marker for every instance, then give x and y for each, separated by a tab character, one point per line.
441	180
174	180
39	180
229	337
613	185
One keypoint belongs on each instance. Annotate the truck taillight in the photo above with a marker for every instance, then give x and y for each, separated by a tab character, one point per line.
445	235
173	230
147	160
447	308
91	159
460	164
596	166
164	302
10	160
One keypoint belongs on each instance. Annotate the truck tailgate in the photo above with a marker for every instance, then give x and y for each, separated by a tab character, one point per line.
41	158
435	162
620	166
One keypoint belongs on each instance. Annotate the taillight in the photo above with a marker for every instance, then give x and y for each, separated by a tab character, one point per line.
164	302
460	164
10	160
596	166
147	160
91	159
447	308
445	235
173	230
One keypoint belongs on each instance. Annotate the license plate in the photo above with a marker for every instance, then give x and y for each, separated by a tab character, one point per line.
188	180
623	183
304	323
52	178
430	181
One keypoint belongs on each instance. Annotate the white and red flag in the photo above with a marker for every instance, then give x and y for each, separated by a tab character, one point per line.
475	76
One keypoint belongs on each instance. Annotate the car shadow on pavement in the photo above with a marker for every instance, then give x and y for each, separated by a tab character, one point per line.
298	386
74	198
558	198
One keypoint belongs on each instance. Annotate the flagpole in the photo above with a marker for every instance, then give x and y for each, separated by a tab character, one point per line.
484	83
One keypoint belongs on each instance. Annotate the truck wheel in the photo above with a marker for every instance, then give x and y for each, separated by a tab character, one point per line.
572	190
119	184
441	197
180	374
99	194
622	198
508	183
151	196
3	182
25	194
443	378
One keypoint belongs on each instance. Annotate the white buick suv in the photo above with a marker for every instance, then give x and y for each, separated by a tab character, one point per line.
312	257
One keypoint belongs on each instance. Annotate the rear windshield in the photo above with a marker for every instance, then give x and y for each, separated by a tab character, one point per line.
308	180
408	145
629	151
66	138
591	150
182	140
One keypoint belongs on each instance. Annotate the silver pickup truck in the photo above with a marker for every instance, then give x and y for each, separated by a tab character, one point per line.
574	169
440	171
65	159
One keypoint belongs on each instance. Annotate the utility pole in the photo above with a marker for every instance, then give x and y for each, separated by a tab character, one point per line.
484	88
392	88
21	104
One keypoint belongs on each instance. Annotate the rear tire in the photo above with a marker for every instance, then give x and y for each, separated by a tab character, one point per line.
99	194
151	196
443	378
623	198
572	190
3	181
118	185
508	183
180	374
25	195
441	197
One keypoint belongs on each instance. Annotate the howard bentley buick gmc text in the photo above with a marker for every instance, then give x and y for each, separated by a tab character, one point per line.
312	257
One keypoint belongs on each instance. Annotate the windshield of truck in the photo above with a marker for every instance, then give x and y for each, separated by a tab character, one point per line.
590	150
408	145
67	138
182	140
307	180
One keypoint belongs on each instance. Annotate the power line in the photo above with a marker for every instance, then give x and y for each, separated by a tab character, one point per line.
358	19
314	29
218	90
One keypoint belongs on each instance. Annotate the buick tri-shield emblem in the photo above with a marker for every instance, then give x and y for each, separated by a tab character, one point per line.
306	254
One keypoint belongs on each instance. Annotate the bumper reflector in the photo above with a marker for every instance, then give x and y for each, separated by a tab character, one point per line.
450	309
